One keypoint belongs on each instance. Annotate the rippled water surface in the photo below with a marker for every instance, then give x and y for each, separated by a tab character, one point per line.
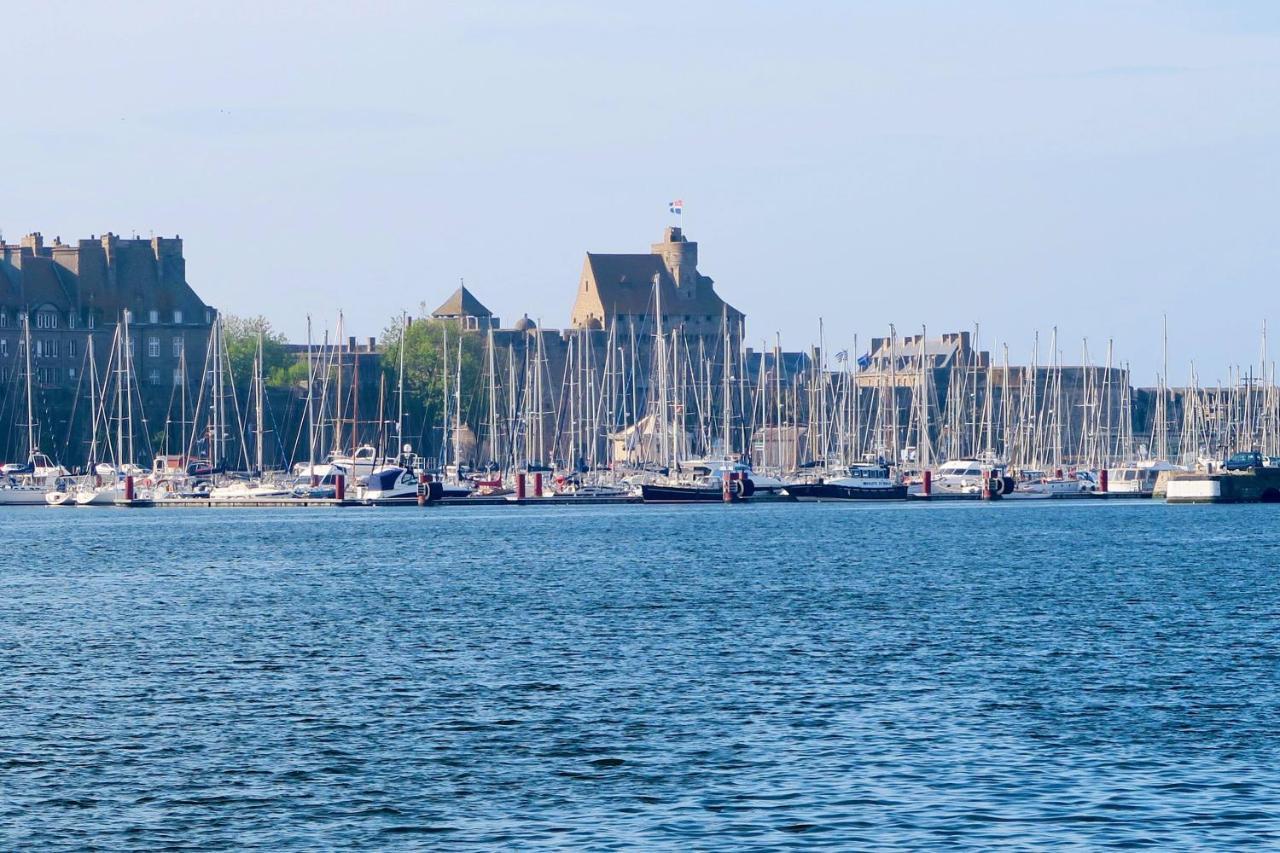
643	677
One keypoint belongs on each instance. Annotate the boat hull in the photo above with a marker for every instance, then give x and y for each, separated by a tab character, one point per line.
653	493
837	492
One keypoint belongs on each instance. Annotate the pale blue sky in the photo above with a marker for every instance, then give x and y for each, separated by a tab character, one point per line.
1013	164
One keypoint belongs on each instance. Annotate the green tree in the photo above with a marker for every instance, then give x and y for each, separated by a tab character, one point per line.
424	377
241	334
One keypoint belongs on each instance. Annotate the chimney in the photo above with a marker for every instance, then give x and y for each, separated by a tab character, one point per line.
373	343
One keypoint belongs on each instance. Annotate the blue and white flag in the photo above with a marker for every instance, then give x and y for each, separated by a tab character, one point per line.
677	207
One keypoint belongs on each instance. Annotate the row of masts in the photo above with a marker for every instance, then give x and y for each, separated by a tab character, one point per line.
635	396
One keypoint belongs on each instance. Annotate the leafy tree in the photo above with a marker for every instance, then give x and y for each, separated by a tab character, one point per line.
424	377
241	334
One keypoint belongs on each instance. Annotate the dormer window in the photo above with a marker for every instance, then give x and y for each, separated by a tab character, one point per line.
153	316
46	319
177	316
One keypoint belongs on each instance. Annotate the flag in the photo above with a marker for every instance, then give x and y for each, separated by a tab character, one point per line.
677	207
842	356
864	361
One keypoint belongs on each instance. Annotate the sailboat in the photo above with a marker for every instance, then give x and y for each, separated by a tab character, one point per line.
108	485
28	484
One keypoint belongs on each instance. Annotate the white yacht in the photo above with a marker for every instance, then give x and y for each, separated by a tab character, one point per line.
1137	478
963	477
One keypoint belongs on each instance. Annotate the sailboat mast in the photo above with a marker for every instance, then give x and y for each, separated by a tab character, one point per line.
404	340
257	403
311	422
31	420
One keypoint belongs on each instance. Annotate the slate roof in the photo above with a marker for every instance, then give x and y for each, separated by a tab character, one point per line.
462	304
624	284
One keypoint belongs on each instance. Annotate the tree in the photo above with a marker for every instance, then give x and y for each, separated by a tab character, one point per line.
241	334
424	377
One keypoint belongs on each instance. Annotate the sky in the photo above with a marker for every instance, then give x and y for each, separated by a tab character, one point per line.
1011	166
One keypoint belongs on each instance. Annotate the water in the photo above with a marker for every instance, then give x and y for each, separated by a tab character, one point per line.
1076	674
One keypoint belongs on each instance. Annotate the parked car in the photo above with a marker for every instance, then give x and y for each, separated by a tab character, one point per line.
1244	461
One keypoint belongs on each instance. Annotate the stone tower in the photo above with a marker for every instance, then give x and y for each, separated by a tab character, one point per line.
681	259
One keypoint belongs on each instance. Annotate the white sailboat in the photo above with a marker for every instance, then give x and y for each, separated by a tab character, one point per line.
27	484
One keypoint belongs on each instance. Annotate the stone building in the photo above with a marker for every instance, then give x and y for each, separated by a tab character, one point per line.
71	291
74	293
619	289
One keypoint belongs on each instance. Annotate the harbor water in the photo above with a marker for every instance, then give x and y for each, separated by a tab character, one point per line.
1075	673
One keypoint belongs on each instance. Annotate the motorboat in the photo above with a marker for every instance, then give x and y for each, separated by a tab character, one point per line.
860	482
966	478
1137	479
1036	485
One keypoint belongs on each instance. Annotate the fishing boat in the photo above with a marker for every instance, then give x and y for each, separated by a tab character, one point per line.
861	482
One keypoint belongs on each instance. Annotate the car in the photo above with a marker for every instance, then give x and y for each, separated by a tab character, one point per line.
1244	461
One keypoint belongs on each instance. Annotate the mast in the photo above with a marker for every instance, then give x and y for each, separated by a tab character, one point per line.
337	396
893	393
444	415
119	341
257	402
404	340
726	404
457	404
128	383
311	423
493	401
31	420
93	406
662	371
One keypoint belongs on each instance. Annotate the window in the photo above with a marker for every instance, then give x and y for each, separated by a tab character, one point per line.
46	320
4	319
71	349
177	316
177	347
154	377
177	376
71	319
153	347
92	322
153	316
4	347
71	373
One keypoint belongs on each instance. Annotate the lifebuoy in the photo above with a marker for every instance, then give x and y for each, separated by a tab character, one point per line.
996	486
1008	484
748	487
